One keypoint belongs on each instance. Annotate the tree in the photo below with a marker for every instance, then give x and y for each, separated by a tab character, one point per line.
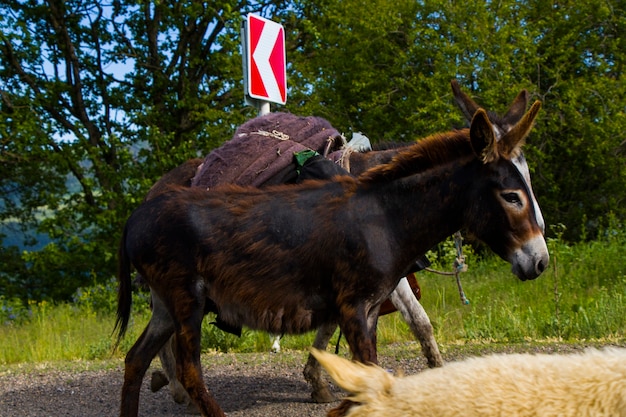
578	72
98	100
384	68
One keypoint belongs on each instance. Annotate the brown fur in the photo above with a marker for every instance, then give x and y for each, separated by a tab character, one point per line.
291	258
359	162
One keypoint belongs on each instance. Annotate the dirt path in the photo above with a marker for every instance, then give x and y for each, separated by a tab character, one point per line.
268	392
244	384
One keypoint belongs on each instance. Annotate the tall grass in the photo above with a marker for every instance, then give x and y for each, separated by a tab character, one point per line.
62	332
579	297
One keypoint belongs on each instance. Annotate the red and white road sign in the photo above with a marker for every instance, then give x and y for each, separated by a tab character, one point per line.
266	60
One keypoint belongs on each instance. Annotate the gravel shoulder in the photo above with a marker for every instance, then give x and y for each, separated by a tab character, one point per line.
243	384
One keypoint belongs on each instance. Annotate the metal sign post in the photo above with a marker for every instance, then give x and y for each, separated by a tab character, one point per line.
264	63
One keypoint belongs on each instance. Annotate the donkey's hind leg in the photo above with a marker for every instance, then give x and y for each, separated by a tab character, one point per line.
189	312
313	370
138	359
168	375
415	315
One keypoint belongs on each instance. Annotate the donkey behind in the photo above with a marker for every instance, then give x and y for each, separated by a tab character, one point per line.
292	258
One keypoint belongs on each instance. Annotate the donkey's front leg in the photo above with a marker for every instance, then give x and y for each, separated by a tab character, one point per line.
360	332
359	328
313	370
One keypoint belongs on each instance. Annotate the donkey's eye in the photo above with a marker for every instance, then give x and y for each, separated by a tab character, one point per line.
512	198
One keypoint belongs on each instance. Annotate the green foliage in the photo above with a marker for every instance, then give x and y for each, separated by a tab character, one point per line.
156	83
214	339
13	311
445	255
53	332
43	331
102	298
83	155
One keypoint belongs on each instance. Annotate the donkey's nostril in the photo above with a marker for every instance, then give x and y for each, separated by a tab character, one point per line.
540	266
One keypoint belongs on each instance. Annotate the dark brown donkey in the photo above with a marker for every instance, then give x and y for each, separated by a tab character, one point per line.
402	297
291	258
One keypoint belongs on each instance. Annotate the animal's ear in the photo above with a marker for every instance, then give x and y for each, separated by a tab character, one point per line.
467	105
517	109
483	137
515	137
354	377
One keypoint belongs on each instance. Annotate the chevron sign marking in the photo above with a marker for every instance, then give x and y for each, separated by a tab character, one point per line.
266	69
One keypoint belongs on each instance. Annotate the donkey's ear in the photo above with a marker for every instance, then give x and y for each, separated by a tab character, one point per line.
516	137
517	109
465	103
483	137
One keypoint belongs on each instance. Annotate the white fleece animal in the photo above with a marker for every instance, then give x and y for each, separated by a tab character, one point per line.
588	384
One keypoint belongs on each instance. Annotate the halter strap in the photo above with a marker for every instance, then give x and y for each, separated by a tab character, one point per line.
459	266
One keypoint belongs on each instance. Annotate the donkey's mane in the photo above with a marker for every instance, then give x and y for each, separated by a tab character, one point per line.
425	154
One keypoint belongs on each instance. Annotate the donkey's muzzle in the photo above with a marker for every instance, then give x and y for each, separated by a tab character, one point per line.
529	261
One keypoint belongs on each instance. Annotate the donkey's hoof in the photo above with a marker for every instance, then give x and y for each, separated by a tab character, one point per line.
435	363
192	409
158	381
323	396
180	396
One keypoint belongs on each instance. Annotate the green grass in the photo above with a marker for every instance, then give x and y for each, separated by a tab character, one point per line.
580	298
62	332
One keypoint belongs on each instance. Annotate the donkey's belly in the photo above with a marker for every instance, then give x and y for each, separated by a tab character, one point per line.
275	302
277	318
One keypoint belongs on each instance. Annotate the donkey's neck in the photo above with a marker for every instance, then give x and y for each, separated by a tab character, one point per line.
424	209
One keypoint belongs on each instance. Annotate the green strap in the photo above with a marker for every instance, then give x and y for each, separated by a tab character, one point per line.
303	156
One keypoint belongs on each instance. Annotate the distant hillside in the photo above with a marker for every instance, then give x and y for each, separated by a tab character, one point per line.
13	236
10	231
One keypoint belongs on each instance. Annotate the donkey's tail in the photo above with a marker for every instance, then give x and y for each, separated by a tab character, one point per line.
366	383
124	292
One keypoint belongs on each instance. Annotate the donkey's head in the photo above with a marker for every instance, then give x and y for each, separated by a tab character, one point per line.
503	200
501	126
